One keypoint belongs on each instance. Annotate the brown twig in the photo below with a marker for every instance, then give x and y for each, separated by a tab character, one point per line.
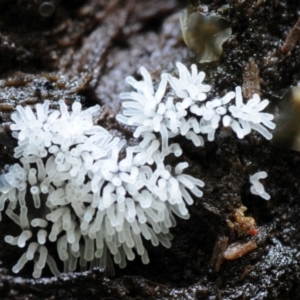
292	39
251	79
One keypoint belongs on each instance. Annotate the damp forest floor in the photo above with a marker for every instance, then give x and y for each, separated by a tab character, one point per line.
83	52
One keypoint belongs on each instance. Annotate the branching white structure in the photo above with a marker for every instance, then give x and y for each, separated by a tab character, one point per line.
189	113
70	186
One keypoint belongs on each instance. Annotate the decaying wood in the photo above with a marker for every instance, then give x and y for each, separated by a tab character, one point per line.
292	39
251	79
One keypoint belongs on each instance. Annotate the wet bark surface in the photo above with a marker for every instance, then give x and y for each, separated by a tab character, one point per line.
83	52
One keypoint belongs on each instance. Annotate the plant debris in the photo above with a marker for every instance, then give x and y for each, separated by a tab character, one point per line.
82	52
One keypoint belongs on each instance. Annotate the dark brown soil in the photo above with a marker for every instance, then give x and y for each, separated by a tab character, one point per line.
83	52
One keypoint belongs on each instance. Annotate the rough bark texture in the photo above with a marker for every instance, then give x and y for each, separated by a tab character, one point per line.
84	51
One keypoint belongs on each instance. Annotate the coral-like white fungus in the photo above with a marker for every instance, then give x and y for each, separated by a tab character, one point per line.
256	187
189	113
249	116
70	188
189	85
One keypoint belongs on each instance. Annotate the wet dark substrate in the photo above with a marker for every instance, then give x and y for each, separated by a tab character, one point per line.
84	52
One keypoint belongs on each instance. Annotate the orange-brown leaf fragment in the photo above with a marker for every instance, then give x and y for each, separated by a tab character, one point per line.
237	250
240	223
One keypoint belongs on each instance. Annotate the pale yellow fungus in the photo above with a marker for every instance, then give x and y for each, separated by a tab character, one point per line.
205	35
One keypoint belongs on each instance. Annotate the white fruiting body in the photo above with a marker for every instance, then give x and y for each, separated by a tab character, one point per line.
256	187
70	186
249	116
189	113
82	197
189	85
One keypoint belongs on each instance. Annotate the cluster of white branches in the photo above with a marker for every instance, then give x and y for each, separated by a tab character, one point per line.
70	186
189	113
